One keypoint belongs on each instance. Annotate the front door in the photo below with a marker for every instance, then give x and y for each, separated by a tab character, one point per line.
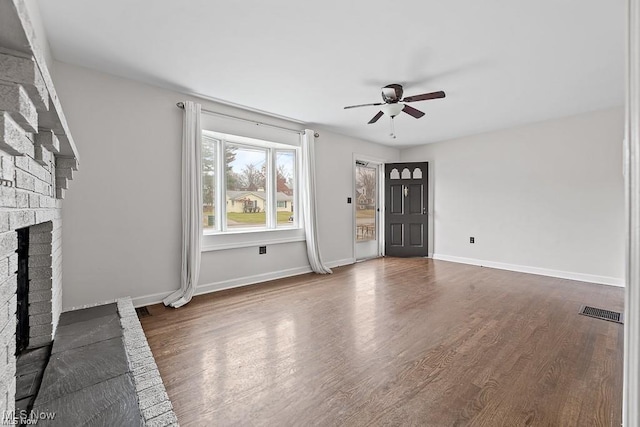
406	210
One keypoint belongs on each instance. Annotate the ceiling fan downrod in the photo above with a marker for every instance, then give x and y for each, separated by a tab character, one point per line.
393	131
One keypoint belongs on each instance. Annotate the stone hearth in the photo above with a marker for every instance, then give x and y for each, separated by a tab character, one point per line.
102	372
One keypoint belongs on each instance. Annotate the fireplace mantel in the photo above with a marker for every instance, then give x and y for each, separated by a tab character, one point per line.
18	39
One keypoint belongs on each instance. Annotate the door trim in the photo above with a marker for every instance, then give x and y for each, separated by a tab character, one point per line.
631	388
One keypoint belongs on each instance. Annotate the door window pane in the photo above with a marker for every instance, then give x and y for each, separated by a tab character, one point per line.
366	203
285	181
246	197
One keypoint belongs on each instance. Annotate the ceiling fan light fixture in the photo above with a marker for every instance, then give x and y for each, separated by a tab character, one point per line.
392	110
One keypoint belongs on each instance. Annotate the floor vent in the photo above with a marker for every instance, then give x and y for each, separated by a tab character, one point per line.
142	312
599	313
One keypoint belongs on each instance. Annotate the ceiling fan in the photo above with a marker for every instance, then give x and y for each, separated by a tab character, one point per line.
394	103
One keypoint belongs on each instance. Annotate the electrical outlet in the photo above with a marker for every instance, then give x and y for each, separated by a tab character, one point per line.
349	200
472	239
262	250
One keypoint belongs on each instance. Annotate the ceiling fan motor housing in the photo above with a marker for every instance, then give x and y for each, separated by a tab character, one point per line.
392	93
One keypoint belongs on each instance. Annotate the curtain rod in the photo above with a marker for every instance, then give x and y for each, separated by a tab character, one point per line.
215	113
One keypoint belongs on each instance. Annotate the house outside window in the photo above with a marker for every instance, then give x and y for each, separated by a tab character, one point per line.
248	184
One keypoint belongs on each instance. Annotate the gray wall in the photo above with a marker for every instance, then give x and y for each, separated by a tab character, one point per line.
545	198
122	226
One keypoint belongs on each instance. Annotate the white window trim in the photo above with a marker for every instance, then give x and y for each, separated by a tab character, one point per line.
246	239
225	238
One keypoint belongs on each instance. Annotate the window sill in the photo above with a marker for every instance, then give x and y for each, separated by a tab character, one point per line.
250	238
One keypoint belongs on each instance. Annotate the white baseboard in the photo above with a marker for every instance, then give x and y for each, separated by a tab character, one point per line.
581	277
150	299
250	280
340	262
238	282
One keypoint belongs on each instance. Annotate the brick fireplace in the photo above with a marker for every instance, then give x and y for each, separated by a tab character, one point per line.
37	160
115	380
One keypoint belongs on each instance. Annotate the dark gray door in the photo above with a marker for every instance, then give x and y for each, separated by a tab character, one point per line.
406	212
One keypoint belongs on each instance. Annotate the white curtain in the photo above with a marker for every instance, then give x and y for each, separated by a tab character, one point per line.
191	206
308	196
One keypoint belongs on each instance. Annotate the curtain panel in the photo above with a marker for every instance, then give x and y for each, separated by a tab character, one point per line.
191	206
308	196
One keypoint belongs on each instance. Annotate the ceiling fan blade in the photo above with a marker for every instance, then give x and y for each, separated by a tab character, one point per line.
376	117
424	96
363	105
412	111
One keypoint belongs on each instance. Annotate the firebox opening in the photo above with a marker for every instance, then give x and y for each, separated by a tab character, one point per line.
22	309
32	311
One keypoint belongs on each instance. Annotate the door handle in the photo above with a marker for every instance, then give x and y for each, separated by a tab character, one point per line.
406	190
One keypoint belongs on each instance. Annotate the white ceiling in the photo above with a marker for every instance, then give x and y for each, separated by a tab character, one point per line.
501	63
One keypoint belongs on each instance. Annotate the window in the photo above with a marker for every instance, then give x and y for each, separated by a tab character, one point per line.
248	184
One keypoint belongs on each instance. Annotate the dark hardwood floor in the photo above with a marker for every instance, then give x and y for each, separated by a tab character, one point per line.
394	342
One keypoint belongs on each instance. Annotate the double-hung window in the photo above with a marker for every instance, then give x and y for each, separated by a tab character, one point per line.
248	184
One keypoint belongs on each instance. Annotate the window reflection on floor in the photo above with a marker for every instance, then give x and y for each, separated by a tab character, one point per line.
364	313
